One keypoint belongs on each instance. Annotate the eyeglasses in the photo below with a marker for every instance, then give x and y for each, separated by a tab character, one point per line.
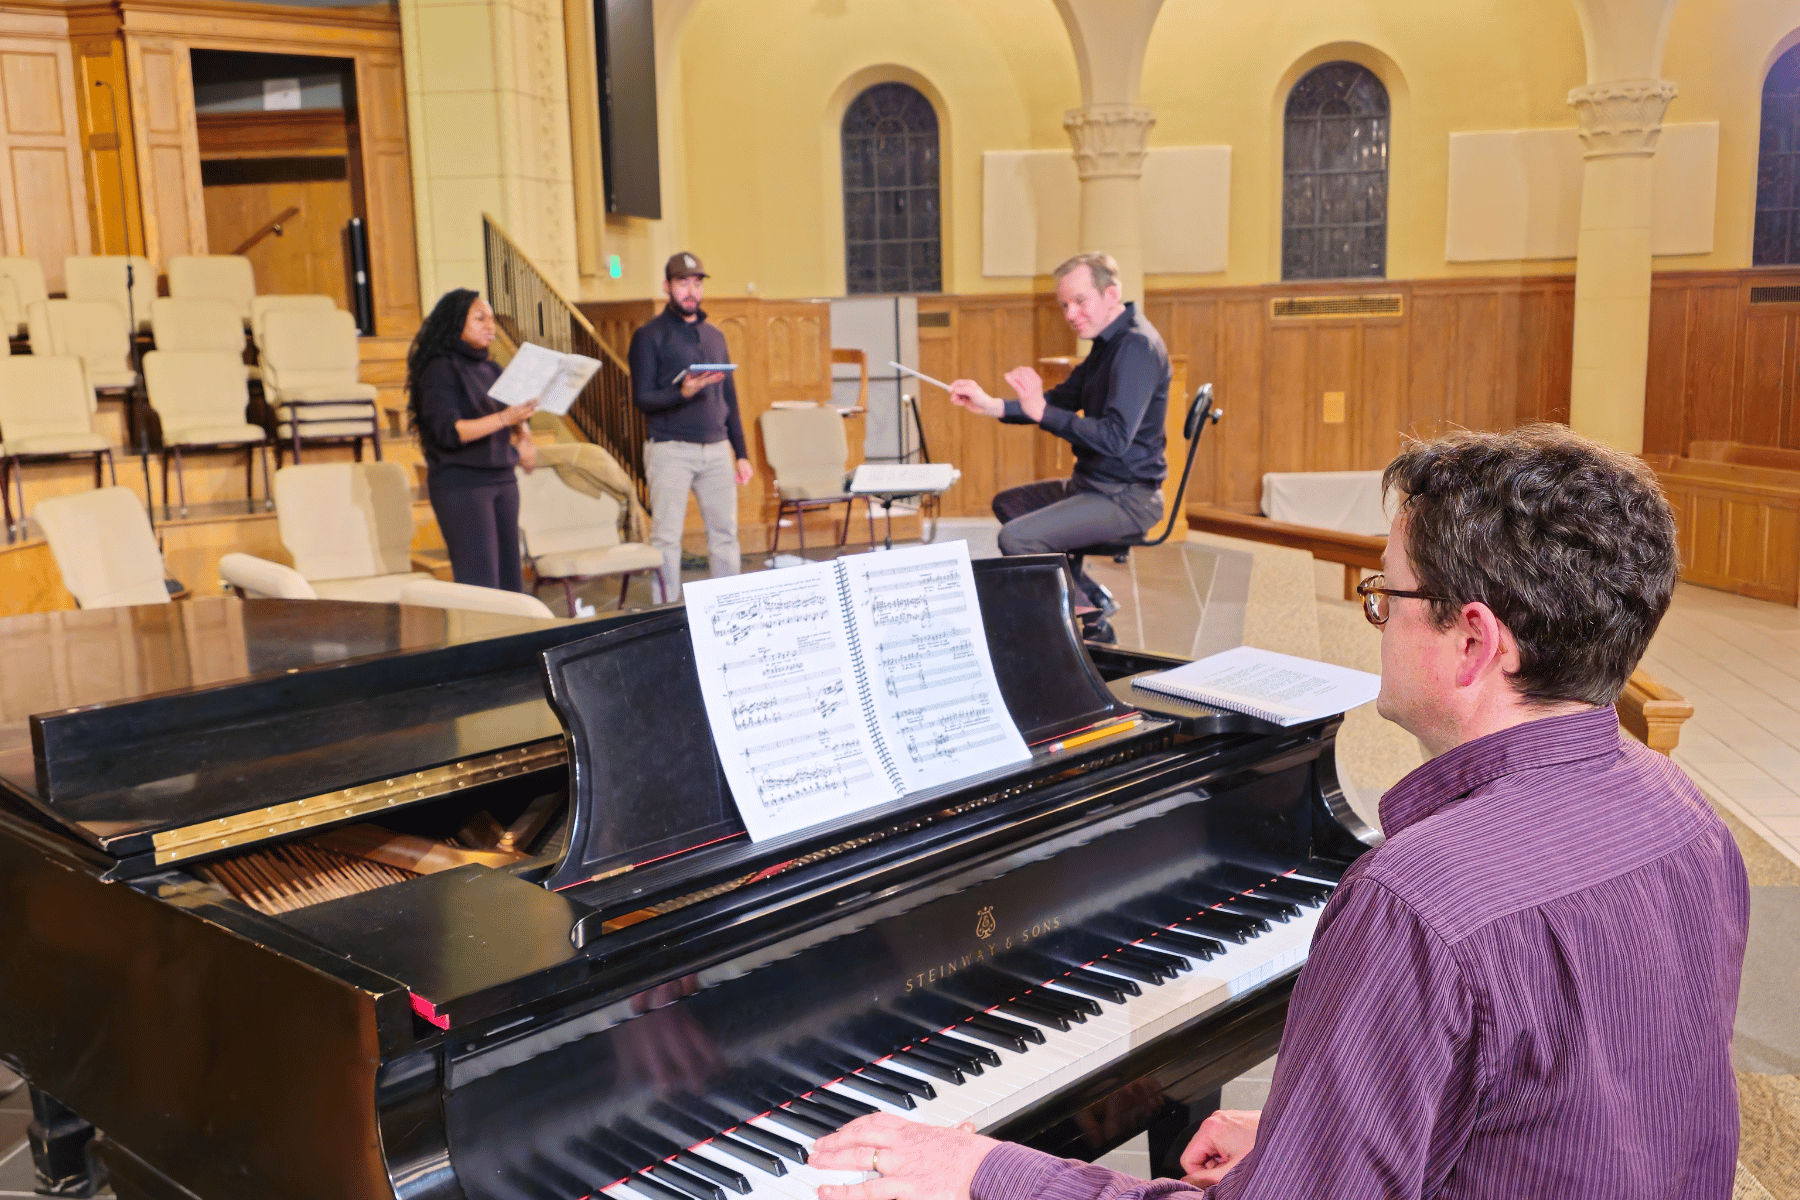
1375	598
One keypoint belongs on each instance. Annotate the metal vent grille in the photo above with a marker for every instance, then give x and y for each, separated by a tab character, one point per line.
1775	295
1337	306
934	320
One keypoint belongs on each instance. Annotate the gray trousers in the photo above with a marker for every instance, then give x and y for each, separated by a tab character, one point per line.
1057	515
672	470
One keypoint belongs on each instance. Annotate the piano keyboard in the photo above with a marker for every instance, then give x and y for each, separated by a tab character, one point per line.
752	1137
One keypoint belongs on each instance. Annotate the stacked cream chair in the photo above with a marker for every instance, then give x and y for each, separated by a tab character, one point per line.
93	331
27	278
199	323
219	276
466	597
348	528
200	397
104	547
309	365
257	578
12	309
102	277
46	412
808	453
576	533
262	306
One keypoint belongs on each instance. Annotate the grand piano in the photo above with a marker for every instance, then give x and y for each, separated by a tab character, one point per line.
623	994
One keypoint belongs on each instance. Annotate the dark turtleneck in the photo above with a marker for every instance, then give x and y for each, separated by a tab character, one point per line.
453	387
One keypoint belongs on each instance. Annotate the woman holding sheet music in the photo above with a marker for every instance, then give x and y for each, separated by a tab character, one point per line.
471	441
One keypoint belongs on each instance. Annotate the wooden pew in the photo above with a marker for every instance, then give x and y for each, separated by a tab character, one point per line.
1737	517
1649	710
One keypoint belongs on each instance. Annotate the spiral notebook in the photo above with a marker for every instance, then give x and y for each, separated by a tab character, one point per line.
1278	688
833	687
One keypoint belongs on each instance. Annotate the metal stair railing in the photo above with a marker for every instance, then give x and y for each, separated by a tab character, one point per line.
529	308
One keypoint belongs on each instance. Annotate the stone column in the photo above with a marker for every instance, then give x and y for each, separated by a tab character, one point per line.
1109	141
1619	123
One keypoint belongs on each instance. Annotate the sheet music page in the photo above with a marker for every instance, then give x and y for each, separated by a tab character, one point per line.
781	696
571	376
528	375
918	622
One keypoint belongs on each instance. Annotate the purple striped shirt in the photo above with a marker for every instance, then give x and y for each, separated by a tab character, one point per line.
1528	991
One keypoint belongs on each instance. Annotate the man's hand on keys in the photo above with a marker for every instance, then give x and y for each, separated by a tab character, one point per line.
912	1161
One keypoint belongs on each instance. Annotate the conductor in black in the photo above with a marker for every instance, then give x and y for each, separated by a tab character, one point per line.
1110	409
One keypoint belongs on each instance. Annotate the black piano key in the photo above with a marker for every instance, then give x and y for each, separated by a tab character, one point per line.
602	1149
646	1186
1275	910
1029	1033
768	1084
533	1189
701	1112
993	1037
910	1084
935	1009
1104	987
743	1151
1158	958
1305	895
824	1056
644	1138
881	1091
940	1050
937	1068
1080	1007
1229	926
739	1102
1194	947
838	1106
961	1045
693	1185
678	1124
716	1171
758	1136
1324	868
799	1122
1131	969
593	1169
1025	1010
813	1109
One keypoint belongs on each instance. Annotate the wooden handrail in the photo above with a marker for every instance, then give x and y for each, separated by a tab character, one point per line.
575	313
274	226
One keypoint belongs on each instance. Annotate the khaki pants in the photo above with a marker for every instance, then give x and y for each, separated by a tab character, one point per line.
673	469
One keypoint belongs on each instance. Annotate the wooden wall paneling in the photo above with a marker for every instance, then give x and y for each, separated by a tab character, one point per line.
109	157
387	191
616	320
309	255
1765	382
168	147
1431	353
942	422
1288	405
1544	352
797	349
43	195
1666	374
1240	335
1381	396
1336	367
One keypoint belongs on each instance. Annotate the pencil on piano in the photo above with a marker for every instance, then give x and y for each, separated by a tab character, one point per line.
1093	735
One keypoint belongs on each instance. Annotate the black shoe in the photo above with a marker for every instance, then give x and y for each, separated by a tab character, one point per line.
1097	595
1096	628
694	562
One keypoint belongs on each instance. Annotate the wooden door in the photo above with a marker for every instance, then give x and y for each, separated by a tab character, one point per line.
168	148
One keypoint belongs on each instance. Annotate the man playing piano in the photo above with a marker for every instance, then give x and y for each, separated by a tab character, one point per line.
1529	989
1110	409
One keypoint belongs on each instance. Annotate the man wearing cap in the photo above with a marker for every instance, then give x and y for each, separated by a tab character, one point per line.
696	438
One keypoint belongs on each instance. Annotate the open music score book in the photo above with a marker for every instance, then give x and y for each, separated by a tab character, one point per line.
837	686
551	377
1278	688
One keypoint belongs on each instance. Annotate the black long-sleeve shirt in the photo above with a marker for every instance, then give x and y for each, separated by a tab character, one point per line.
1121	391
661	349
455	389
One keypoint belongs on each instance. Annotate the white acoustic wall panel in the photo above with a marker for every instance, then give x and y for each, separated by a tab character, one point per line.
1031	210
1516	193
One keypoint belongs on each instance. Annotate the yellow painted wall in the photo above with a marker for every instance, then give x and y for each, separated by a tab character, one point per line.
1718	52
764	85
753	93
1219	72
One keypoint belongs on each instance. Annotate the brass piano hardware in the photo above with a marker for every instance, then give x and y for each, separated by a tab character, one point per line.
246	828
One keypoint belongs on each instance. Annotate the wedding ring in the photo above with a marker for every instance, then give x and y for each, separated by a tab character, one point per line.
874	1162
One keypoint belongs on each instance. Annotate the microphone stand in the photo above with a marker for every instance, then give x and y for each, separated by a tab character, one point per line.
131	344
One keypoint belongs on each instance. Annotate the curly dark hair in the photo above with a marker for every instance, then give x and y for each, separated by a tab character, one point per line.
1570	543
441	331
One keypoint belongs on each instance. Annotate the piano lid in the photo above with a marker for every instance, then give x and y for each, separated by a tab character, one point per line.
161	726
639	738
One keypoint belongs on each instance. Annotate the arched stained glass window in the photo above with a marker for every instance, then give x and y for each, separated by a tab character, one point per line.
1777	238
891	241
1334	175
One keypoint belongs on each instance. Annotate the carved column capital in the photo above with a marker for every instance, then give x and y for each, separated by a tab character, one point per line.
1622	118
1109	139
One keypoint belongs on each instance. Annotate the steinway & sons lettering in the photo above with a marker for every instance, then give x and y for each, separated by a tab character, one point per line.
992	944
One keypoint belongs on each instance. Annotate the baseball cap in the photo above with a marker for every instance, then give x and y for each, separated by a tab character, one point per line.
681	265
